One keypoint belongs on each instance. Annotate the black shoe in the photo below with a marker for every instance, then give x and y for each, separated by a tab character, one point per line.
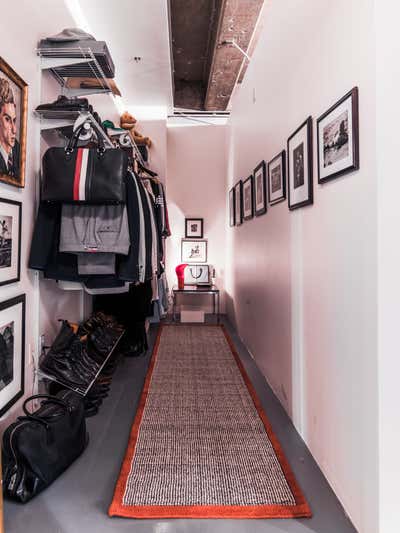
66	104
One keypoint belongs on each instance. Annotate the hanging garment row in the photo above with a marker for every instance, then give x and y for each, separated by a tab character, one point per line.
100	223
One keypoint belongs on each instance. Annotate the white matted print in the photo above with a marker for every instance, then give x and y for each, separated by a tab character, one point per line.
194	228
248	198
12	351
300	183
238	203
10	241
260	192
194	251
337	132
277	178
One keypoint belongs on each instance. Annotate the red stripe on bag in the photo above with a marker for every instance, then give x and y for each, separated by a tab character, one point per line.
77	175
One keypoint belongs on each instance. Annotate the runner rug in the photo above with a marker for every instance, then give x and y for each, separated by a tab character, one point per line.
201	445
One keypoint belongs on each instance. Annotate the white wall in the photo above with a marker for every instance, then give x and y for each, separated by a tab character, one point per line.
388	116
196	168
303	285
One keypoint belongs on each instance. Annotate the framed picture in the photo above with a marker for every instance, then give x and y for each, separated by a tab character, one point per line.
194	228
260	190
337	136
248	198
277	178
300	171
238	203
13	116
232	212
12	351
194	251
10	241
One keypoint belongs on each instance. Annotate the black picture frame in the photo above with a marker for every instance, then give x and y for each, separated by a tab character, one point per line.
277	178
11	391
238	203
232	213
300	166
338	145
189	234
248	198
260	189
10	241
197	258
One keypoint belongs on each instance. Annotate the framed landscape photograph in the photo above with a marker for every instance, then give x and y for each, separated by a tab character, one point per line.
248	198
13	116
300	171
194	251
260	190
277	178
238	203
338	138
194	228
12	351
10	241
232	207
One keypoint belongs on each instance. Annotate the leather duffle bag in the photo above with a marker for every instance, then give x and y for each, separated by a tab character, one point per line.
84	175
39	446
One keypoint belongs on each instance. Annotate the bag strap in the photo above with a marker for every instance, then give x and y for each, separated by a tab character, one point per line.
49	398
75	137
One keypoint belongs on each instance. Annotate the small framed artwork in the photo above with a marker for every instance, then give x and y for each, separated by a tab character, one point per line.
12	351
13	116
194	228
10	241
300	171
194	251
238	203
248	198
337	136
232	206
260	191
277	178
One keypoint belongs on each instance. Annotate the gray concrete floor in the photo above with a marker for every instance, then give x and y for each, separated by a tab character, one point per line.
78	501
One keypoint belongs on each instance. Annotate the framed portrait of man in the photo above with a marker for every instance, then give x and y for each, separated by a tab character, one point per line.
13	116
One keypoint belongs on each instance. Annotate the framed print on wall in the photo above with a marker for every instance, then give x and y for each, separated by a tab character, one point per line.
300	171
10	241
232	207
194	228
194	251
337	138
277	178
238	203
260	190
248	198
13	116
12	351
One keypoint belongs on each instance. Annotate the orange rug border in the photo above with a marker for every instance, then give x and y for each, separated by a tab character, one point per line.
300	510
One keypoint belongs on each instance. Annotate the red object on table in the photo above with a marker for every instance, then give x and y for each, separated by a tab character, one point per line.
180	272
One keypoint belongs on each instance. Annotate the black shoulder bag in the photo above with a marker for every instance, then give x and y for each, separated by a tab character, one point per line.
84	175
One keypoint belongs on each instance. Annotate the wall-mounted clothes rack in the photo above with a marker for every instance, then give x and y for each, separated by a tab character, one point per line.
126	141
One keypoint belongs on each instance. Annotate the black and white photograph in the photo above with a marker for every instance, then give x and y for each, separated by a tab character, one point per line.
6	354
194	228
12	351
13	116
238	203
248	198
10	241
277	178
194	251
232	207
260	190
300	171
337	136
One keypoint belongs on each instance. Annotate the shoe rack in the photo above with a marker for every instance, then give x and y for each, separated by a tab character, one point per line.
80	390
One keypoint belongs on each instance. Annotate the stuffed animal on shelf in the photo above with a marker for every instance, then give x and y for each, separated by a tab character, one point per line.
127	122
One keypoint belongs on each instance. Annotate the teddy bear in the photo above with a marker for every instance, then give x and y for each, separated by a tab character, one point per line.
127	122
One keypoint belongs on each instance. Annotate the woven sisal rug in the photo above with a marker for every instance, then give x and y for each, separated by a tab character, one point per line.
201	445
